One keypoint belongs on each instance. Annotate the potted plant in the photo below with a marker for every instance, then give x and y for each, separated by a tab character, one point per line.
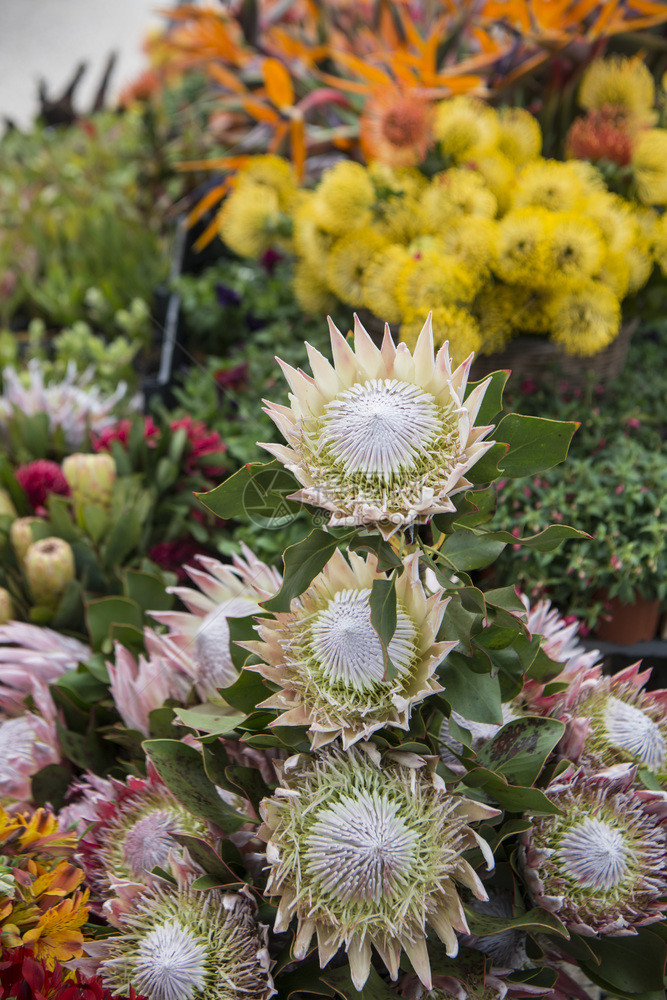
616	579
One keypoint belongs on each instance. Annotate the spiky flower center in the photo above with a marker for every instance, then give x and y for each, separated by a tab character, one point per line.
634	731
595	854
381	427
348	648
170	963
360	849
148	842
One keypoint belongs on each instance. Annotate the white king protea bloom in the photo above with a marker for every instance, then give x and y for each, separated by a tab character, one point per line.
602	865
382	437
197	643
614	718
365	851
328	661
181	944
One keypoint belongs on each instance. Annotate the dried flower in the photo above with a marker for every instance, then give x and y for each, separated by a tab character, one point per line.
383	437
328	660
601	866
365	852
197	643
49	567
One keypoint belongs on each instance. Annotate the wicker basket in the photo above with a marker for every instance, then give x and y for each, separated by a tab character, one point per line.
545	363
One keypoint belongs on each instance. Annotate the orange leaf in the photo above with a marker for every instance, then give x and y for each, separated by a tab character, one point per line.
226	78
278	83
371	73
208	235
211	198
259	111
298	138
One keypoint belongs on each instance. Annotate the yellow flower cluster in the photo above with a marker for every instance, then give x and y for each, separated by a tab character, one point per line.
42	906
502	242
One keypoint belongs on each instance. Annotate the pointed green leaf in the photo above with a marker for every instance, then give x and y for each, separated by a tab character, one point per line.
520	749
535	443
383	619
302	562
473	695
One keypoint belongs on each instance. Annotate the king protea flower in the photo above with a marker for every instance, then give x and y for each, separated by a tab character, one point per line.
602	865
328	661
176	943
615	718
197	643
130	828
365	852
382	437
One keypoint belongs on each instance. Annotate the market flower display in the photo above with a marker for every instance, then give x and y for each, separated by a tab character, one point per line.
329	661
365	852
384	437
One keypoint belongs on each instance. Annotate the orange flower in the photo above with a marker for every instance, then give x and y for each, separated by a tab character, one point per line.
396	127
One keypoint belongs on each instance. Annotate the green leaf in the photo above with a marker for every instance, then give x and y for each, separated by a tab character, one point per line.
629	965
212	719
387	558
245	693
84	689
104	612
535	443
212	863
466	550
123	538
181	768
514	798
486	469
492	403
302	562
520	749
544	541
383	620
49	786
373	989
537	921
258	492
474	696
302	981
148	590
95	522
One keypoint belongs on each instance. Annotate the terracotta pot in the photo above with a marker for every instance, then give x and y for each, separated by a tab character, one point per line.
628	623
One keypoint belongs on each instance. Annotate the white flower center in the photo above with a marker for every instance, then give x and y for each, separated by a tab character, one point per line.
347	646
381	427
633	731
148	843
360	849
595	854
214	661
170	964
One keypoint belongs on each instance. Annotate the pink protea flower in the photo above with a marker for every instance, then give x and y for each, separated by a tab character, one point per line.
28	743
127	828
197	643
140	686
601	866
32	653
560	644
613	719
39	480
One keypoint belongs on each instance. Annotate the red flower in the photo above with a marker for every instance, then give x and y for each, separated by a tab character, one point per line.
172	556
24	977
231	378
604	134
202	441
40	479
121	432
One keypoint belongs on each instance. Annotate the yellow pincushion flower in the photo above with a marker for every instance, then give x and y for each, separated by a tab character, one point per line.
380	279
614	272
347	262
499	175
501	312
548	184
615	219
575	247
589	175
310	239
434	278
473	240
586	319
346	196
465	123
520	136
457	326
310	288
454	193
523	246
649	163
659	243
619	82
640	264
251	220
276	173
396	181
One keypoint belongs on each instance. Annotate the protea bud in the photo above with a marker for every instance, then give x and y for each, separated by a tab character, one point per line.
21	535
91	478
600	866
7	508
49	567
6	606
